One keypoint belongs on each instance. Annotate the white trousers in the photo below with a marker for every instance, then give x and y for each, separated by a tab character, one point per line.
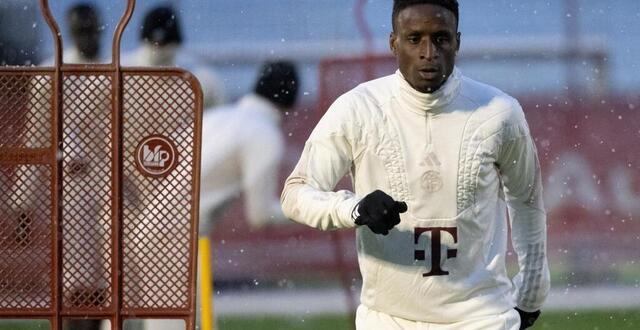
367	319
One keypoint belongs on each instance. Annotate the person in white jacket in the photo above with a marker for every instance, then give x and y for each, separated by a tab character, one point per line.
242	148
85	29
83	160
161	41
437	162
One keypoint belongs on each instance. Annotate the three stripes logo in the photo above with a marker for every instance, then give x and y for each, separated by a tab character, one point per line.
432	179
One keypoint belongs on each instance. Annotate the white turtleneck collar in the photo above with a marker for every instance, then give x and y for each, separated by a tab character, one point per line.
73	55
420	102
150	55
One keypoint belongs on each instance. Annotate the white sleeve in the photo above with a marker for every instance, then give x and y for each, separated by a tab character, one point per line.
308	195
261	155
520	172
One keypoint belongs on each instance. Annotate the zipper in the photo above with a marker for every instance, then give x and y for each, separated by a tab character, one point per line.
431	158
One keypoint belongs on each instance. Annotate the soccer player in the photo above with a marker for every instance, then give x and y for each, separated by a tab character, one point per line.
161	41
161	38
437	161
86	215
242	147
85	27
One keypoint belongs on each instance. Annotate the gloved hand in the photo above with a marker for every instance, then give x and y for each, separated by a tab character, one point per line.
379	212
527	319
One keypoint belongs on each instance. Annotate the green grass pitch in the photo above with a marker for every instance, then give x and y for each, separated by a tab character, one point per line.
560	320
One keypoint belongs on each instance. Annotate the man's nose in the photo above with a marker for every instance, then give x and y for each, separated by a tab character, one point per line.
428	50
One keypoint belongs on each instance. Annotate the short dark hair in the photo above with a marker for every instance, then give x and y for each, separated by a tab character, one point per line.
161	26
399	5
278	83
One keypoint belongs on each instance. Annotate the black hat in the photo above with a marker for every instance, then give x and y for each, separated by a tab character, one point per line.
278	82
161	26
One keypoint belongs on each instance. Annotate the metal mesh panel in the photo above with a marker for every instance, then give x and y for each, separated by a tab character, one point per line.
25	194
25	238
25	110
86	196
71	194
157	210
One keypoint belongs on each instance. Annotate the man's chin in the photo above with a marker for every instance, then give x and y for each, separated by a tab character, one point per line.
428	88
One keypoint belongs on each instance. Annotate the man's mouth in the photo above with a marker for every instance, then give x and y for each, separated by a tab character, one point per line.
429	73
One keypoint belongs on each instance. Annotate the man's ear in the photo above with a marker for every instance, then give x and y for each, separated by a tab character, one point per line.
458	39
393	43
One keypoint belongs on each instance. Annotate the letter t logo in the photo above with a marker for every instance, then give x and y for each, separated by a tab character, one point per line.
436	258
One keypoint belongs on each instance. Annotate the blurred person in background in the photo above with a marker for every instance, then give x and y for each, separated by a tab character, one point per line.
85	28
213	91
242	147
161	40
160	37
437	160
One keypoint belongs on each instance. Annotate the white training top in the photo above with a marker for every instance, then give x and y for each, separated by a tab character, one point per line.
147	55
454	156
70	55
242	146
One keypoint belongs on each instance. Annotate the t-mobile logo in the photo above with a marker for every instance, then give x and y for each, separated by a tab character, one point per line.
436	246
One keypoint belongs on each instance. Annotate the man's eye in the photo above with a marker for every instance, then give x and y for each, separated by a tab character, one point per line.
442	40
414	39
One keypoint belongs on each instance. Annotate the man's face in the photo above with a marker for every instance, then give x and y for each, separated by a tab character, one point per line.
425	42
88	42
86	32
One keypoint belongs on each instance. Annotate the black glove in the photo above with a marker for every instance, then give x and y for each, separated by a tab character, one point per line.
379	212
527	319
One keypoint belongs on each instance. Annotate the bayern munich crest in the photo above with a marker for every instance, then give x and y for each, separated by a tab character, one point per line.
156	156
432	181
